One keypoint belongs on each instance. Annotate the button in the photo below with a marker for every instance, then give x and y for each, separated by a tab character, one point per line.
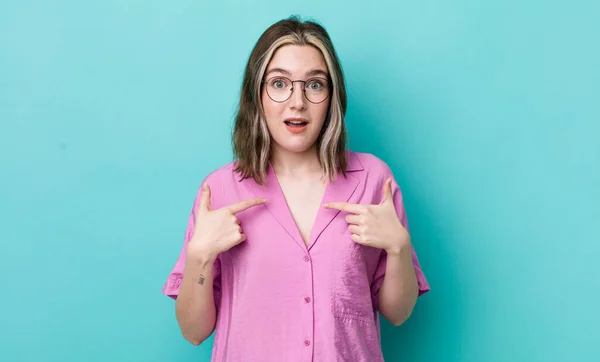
307	343
306	258
307	300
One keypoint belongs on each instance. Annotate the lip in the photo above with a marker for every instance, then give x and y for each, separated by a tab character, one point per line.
296	129
297	119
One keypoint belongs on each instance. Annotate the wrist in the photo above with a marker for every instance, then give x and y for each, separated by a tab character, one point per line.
398	248
201	255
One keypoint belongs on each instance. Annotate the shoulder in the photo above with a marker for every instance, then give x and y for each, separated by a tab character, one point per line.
371	164
222	182
221	175
372	174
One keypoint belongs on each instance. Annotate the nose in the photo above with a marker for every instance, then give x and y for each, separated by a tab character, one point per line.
297	99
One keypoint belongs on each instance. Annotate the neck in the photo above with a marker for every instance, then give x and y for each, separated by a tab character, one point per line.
297	164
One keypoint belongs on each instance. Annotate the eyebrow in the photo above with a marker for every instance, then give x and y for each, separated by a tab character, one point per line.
310	73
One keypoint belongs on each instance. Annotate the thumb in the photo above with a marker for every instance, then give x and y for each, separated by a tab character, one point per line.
387	191
205	199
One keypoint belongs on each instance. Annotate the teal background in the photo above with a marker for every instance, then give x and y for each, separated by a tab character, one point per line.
112	112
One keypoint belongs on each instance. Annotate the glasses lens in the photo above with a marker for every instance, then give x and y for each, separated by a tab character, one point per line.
279	88
317	90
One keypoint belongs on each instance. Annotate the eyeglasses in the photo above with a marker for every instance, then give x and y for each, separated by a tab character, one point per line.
279	89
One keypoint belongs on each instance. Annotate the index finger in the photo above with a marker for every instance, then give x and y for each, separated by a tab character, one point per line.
244	205
345	206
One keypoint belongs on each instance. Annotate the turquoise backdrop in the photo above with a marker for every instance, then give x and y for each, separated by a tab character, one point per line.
112	112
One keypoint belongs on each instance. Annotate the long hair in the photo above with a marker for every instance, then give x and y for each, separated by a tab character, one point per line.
251	138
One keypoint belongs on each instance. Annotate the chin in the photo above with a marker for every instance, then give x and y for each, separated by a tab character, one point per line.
296	146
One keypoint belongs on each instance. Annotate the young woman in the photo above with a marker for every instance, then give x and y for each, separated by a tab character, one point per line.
292	250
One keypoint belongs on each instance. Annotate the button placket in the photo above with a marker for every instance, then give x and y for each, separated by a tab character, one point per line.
308	308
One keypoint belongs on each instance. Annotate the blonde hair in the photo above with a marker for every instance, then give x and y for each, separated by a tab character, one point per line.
251	138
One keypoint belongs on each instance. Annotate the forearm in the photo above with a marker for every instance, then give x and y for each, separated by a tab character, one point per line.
399	291
195	306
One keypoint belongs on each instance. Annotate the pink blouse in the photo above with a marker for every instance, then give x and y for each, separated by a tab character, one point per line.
280	300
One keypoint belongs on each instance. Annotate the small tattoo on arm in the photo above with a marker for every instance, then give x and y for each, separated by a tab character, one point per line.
201	279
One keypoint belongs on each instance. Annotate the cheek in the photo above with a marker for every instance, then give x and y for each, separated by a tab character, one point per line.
320	112
271	109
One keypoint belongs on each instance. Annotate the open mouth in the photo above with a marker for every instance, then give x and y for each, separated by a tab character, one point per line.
295	123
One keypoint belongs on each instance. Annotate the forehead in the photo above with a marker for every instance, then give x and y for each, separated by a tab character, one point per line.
298	60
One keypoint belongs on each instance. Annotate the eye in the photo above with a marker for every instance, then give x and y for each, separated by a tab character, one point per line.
278	83
315	85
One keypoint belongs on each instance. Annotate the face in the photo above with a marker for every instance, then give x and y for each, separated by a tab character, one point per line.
295	123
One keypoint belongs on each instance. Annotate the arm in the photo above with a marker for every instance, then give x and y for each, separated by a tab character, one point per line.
399	291
195	306
195	281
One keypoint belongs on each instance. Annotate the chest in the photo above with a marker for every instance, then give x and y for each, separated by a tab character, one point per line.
303	201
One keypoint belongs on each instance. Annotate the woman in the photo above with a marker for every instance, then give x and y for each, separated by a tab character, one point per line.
293	249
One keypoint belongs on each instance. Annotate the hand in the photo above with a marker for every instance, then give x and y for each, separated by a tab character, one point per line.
219	230
375	225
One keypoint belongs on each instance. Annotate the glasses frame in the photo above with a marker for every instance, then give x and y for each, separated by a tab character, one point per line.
303	88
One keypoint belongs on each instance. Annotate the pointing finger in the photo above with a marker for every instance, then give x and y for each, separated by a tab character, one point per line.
345	206
244	205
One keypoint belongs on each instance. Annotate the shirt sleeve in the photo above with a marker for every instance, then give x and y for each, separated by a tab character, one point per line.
381	266
173	282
